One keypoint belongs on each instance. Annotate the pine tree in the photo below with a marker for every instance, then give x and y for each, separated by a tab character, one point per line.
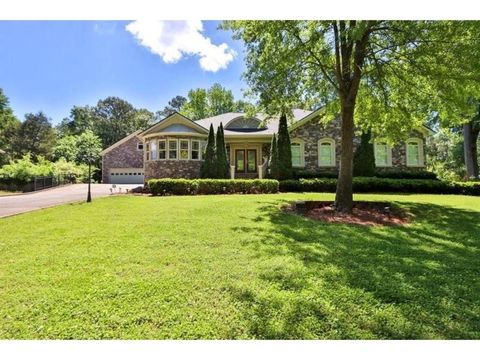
284	150
221	158
209	169
364	158
274	158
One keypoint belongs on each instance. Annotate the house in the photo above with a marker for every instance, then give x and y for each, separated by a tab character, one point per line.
173	147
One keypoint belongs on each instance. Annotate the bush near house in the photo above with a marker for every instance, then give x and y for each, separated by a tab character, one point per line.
392	174
212	186
373	184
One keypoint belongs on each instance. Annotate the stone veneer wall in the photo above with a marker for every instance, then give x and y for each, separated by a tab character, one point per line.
313	131
173	168
125	155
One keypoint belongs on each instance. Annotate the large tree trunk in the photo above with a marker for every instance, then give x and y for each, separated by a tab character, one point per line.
470	136
344	193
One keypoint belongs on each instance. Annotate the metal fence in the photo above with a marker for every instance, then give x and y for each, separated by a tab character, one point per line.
36	183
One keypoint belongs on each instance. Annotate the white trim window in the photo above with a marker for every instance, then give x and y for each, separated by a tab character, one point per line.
326	152
162	149
383	154
172	149
195	150
140	146
153	150
297	148
147	150
184	149
414	152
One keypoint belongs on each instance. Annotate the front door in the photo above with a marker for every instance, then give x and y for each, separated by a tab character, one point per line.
246	161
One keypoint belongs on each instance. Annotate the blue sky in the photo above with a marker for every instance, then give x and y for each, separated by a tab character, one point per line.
54	65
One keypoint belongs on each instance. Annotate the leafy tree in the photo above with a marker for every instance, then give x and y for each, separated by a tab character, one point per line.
8	127
284	150
81	119
364	158
66	148
274	158
387	76
216	100
196	106
220	100
72	148
221	155
114	118
209	166
445	154
174	105
35	135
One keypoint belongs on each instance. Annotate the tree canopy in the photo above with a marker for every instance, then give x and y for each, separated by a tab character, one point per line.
382	76
216	100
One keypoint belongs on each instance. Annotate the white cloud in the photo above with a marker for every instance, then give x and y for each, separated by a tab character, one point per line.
172	40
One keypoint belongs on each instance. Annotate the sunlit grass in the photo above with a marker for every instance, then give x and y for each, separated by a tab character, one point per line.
237	267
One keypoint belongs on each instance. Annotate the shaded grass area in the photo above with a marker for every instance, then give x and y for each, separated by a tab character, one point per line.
238	267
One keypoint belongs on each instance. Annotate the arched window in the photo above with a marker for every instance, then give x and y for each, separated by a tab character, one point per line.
243	123
414	152
383	154
297	147
326	152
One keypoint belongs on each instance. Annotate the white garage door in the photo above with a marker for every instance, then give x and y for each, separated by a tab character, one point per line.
126	176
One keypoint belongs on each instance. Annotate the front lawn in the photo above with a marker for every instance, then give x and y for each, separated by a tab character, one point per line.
235	266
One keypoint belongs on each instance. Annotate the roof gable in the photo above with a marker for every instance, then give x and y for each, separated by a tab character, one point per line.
175	123
120	142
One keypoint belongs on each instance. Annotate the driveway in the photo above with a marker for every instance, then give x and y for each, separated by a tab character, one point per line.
17	204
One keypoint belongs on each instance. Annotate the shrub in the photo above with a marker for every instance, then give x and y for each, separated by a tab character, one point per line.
405	174
372	184
211	186
364	158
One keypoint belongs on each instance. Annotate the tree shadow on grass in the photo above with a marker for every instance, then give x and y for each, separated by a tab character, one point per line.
319	280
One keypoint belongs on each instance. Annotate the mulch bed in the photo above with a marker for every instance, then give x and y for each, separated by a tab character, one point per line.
364	213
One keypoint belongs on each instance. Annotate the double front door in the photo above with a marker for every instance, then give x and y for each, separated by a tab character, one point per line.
245	161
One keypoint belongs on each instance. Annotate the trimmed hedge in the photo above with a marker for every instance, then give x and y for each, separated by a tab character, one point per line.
212	186
373	184
389	174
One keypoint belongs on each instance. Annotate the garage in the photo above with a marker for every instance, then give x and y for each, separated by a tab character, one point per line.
126	176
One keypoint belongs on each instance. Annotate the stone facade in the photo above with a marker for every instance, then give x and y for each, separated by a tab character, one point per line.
172	169
315	130
125	155
163	168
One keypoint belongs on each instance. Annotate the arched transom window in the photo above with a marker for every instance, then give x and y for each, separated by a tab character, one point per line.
326	152
243	123
414	152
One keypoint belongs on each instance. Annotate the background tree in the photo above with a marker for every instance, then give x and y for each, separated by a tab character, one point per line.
386	76
445	154
89	147
273	165
209	167
80	120
221	155
36	136
364	158
216	100
8	127
174	105
196	106
114	118
284	150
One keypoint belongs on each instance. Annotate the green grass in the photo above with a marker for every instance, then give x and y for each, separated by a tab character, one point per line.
237	267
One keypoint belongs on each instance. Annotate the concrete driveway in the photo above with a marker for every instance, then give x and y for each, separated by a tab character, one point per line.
17	204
